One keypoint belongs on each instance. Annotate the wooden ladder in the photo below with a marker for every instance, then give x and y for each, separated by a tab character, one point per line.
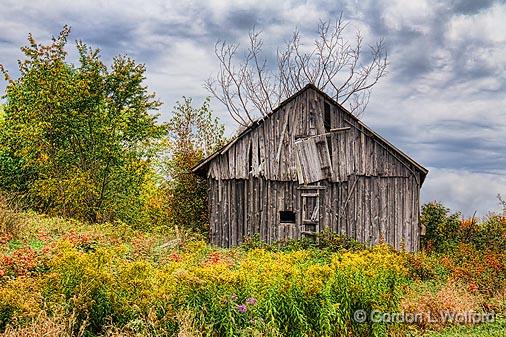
310	199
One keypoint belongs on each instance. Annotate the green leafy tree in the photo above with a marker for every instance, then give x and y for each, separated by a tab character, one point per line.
442	227
446	231
193	134
77	140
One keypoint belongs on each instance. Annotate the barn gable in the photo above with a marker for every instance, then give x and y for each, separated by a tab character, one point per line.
309	138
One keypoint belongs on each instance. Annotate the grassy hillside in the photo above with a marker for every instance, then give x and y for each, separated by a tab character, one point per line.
64	277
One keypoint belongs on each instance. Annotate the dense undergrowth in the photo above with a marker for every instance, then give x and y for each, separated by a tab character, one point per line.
63	277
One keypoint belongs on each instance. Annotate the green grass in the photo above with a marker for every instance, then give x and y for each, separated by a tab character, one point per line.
493	329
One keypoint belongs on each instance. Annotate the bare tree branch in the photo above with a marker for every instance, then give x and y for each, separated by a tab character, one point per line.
250	86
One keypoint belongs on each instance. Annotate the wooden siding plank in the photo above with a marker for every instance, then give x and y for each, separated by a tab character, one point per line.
367	211
376	210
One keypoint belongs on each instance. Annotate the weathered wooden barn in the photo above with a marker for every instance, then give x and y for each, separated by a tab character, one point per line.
310	165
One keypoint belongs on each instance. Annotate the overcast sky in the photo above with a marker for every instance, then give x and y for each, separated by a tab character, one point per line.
443	101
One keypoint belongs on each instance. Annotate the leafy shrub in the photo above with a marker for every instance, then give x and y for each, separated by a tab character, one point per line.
491	234
325	241
483	271
187	193
193	134
336	242
445	231
441	227
77	140
19	300
479	271
423	266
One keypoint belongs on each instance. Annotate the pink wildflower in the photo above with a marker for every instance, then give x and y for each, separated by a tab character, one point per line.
242	308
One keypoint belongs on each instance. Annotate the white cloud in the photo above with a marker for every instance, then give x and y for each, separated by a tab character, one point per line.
464	191
487	25
414	13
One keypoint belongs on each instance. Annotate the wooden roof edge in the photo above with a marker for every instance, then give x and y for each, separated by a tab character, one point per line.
202	164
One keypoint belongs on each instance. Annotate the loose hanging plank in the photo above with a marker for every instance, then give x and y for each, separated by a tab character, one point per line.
308	161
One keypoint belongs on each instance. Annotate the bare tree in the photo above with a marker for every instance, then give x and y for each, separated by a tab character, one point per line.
250	85
502	202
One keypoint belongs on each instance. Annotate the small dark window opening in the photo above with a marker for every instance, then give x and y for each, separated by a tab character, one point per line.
250	158
326	117
286	217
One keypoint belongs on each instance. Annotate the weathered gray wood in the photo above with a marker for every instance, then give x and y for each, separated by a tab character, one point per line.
407	215
397	215
367	211
376	213
391	212
355	152
368	190
378	208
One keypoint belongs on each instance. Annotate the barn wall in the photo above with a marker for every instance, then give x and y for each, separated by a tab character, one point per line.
369	209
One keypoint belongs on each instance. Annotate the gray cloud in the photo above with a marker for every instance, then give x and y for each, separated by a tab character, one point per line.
242	19
409	69
471	6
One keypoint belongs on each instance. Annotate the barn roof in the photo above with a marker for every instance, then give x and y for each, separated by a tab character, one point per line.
202	166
